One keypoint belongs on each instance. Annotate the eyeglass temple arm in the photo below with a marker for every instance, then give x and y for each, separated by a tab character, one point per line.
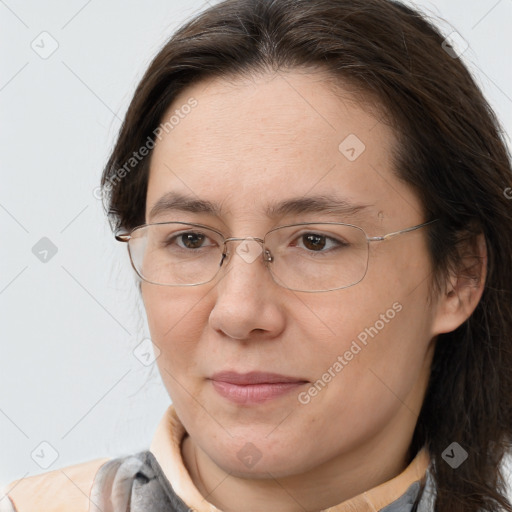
122	237
396	233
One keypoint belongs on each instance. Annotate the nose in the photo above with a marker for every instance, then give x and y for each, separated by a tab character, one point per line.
247	298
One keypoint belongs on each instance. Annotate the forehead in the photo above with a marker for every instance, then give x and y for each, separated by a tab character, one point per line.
248	143
293	112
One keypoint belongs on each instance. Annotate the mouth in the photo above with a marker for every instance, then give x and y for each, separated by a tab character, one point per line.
254	387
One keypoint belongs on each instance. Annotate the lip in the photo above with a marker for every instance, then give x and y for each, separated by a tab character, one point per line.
254	387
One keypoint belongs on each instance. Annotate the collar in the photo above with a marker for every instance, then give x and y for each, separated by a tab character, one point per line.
166	447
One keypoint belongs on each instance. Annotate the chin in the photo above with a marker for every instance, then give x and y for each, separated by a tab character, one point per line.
259	459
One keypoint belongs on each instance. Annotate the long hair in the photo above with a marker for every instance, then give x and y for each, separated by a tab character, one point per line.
451	152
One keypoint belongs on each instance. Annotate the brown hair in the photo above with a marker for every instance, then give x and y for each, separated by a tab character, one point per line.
451	153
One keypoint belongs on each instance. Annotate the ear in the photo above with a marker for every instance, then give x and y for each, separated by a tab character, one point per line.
463	288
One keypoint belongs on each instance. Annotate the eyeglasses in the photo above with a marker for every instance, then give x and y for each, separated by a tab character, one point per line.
306	257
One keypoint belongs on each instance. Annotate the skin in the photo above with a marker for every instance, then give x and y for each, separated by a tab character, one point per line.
246	144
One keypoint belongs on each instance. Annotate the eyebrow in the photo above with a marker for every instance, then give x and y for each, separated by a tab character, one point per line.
326	204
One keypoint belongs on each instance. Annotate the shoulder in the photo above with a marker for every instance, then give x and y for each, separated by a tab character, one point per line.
131	482
60	490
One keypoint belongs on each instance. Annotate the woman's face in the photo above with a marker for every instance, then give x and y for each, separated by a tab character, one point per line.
358	358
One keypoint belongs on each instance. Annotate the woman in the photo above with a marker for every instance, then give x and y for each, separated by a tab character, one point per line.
314	196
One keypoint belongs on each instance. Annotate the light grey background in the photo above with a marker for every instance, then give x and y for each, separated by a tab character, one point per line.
68	373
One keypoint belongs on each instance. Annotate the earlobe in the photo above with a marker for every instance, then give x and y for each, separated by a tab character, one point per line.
463	289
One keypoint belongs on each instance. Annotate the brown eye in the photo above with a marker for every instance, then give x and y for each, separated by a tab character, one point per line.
314	241
317	242
192	240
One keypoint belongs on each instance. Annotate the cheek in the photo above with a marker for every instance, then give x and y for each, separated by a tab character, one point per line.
396	361
367	376
175	324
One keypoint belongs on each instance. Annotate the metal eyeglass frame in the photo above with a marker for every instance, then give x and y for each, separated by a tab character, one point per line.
267	256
